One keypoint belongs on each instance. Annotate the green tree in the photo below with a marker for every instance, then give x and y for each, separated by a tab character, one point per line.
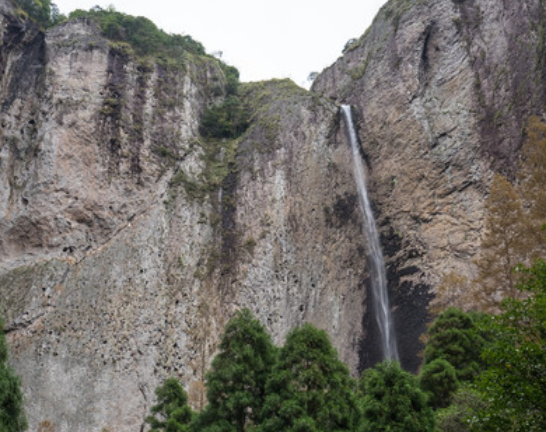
44	12
453	337
310	389
172	412
236	382
12	415
505	244
438	380
514	382
458	417
228	120
393	402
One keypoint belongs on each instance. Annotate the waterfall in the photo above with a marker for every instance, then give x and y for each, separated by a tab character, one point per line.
377	264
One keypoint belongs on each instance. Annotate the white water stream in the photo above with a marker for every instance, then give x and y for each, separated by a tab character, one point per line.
377	264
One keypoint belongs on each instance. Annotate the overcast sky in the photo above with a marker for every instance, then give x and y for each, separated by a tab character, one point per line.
263	38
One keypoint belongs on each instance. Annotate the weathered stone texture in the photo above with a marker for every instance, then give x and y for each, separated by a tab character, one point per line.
442	95
121	260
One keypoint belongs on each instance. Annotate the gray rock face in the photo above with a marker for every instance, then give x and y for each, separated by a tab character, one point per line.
443	95
127	240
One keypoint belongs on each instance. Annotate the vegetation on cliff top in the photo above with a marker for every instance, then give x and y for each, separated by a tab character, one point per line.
144	37
44	12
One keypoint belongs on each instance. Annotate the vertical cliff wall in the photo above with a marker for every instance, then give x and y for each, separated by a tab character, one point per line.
127	240
443	90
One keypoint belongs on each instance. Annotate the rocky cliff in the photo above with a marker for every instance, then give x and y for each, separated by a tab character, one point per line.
127	239
443	90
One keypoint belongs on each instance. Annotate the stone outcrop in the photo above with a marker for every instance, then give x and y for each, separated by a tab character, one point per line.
443	90
127	240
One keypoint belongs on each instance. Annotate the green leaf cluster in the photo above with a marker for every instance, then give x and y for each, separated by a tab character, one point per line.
172	412
230	119
453	337
499	362
12	415
514	382
140	33
237	380
44	12
439	380
310	388
393	401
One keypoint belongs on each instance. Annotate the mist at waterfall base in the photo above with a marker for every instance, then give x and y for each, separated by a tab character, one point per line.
381	306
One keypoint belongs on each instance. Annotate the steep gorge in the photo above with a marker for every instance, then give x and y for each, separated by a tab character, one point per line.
127	240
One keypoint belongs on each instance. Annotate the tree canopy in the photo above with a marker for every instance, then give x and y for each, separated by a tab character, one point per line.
12	415
453	337
172	412
237	379
514	382
393	401
44	12
310	388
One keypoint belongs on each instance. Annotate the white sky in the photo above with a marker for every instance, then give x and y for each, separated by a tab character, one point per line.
262	38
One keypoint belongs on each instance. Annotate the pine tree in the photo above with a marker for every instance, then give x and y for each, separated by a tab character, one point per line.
172	412
438	380
453	337
504	245
12	415
393	401
236	382
310	388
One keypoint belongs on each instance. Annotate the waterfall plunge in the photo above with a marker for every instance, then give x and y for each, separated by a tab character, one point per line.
377	270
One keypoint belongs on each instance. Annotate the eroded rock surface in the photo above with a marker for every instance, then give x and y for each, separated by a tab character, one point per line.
127	240
443	90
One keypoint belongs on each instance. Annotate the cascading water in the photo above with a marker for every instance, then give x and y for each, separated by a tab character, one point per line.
377	270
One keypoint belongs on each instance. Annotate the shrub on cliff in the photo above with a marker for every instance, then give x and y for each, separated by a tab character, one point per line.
12	415
228	120
44	12
139	32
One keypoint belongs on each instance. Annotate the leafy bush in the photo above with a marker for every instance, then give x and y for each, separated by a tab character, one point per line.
236	382
228	120
44	12
12	414
514	382
310	389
